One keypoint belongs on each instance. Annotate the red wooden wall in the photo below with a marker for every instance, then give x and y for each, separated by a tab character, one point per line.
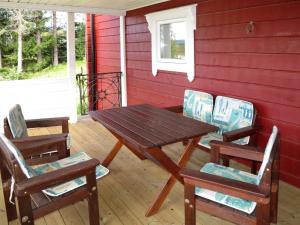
262	67
107	39
107	47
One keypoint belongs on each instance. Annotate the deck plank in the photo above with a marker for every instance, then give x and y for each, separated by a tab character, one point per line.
126	193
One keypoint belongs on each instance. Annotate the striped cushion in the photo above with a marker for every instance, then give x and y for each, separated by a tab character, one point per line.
27	170
71	185
198	105
233	202
231	114
204	141
267	152
17	122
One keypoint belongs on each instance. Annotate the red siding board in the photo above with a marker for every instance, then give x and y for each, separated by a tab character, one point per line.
262	67
288	62
271	78
271	45
286	10
276	28
225	5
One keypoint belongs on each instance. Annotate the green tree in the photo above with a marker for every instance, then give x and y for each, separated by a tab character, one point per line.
80	40
5	36
20	24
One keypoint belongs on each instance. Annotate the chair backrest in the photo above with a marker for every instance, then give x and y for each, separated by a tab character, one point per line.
270	149
11	154
198	105
17	122
231	114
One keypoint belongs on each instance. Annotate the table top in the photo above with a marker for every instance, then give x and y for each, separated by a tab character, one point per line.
146	126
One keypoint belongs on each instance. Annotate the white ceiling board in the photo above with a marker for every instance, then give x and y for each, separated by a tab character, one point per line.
112	7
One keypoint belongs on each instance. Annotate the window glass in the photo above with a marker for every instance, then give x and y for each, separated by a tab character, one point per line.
172	40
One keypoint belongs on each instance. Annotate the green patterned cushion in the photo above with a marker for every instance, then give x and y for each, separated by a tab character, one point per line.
68	141
233	202
71	185
231	114
198	105
204	141
27	170
267	152
17	122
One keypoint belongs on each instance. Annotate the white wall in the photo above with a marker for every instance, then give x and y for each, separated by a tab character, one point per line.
39	98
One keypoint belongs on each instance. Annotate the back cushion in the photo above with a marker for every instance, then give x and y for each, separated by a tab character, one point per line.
198	105
231	114
268	151
17	122
27	170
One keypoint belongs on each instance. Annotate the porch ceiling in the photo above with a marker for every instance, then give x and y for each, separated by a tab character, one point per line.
112	7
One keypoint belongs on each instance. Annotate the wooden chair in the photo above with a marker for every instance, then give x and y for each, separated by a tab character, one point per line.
15	128
48	187
233	195
234	117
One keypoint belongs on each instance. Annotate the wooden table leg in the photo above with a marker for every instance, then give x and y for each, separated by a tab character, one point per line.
112	154
172	179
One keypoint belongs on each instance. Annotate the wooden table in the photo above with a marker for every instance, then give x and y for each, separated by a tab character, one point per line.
144	130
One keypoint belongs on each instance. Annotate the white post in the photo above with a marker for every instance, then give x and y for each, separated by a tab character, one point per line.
71	59
123	60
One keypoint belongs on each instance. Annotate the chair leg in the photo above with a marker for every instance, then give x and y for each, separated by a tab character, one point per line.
274	204
225	162
263	214
254	167
93	204
189	204
26	215
11	210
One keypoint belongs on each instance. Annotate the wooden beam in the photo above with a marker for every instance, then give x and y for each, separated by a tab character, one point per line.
63	8
71	63
123	60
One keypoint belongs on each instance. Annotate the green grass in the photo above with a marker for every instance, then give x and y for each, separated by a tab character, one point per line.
56	71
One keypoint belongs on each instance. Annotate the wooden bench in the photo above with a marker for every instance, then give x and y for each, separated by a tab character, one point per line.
234	117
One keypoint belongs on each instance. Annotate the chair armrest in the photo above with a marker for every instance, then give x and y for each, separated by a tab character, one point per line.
224	185
175	109
240	151
239	133
48	122
44	181
28	139
31	148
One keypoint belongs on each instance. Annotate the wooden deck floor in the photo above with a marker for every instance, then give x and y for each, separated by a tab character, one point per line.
126	193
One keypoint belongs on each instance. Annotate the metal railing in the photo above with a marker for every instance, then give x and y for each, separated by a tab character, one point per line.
101	91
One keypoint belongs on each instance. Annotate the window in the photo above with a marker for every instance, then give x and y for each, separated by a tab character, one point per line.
172	37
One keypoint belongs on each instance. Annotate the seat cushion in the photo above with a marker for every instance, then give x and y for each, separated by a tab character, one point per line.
233	202
71	185
69	141
17	122
198	105
267	153
26	169
204	141
231	114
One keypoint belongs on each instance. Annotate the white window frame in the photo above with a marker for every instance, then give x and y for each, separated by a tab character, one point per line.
185	14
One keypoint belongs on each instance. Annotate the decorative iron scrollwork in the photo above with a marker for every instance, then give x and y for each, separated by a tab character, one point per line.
101	91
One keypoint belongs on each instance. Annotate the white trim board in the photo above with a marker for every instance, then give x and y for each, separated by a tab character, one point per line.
63	8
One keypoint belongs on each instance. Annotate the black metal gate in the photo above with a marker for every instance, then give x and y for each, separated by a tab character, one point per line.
101	91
